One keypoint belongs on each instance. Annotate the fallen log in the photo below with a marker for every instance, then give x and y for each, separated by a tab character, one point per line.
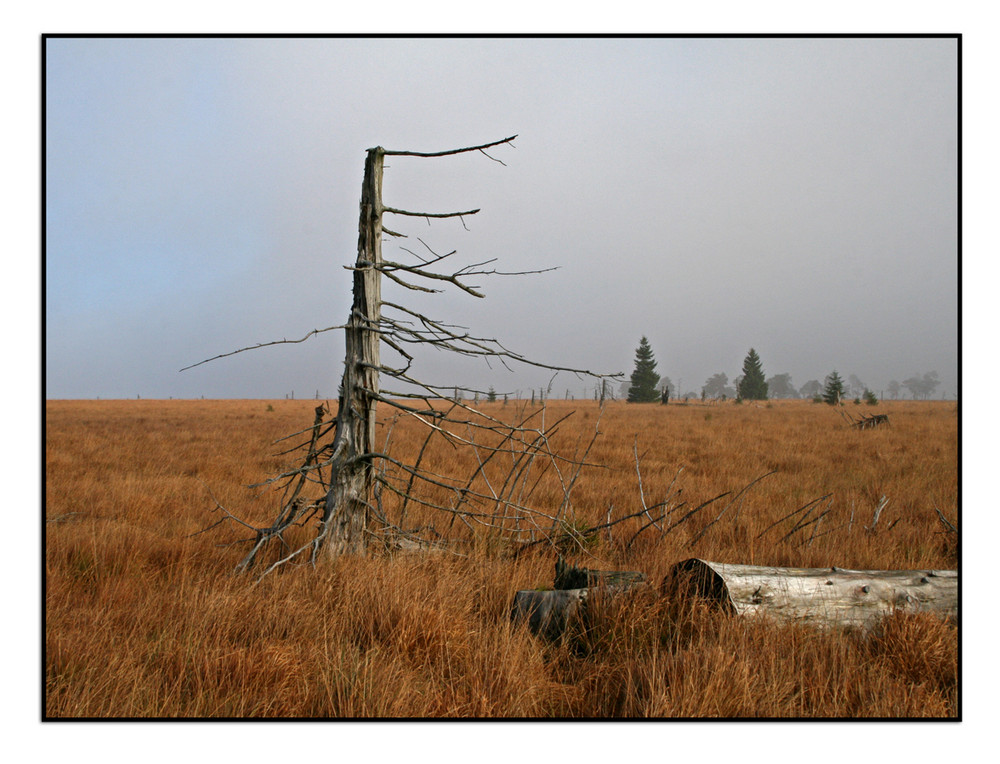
826	597
572	577
871	422
823	596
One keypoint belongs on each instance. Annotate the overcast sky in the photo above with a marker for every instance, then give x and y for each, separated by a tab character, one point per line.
798	196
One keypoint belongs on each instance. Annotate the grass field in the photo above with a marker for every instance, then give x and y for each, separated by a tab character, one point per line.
144	619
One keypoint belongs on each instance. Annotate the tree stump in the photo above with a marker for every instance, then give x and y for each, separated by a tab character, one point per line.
547	611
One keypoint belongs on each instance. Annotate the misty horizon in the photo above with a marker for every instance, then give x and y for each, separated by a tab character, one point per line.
794	195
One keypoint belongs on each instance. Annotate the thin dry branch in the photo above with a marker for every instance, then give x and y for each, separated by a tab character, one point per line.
883	503
388	266
792	514
410	213
737	497
638	474
449	152
801	525
266	344
479	346
948	526
694	511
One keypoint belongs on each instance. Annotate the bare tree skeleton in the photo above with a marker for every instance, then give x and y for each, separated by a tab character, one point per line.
342	457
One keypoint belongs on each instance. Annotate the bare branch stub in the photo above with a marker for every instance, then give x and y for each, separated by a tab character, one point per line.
365	494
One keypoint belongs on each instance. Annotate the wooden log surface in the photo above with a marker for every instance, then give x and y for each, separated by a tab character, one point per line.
826	597
572	577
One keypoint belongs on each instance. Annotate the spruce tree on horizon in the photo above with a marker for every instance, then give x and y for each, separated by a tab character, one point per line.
833	392
644	380
752	386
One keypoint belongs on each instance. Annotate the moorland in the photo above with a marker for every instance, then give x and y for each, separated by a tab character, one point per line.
144	617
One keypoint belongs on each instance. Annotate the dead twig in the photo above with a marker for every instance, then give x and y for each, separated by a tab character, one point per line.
738	497
878	512
266	344
948	527
792	514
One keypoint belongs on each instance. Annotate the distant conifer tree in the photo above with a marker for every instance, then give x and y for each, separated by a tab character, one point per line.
644	380
752	386
834	389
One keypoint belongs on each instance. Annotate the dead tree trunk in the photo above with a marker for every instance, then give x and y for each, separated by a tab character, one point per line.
346	507
348	466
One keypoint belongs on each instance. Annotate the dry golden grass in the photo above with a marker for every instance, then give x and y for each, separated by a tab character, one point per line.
142	619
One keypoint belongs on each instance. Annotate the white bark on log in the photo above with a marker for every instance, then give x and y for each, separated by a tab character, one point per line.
823	596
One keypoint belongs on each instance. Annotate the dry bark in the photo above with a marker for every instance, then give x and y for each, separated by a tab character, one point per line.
345	516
